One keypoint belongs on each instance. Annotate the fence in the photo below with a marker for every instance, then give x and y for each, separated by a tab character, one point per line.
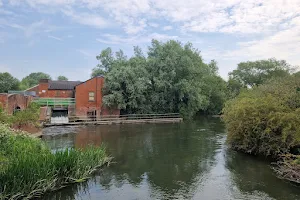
125	117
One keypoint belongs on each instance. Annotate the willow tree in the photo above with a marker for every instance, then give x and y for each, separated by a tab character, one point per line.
172	77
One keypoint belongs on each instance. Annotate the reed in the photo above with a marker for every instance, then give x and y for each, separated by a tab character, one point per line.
28	168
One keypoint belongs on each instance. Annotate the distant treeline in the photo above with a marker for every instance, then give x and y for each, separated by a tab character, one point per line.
8	82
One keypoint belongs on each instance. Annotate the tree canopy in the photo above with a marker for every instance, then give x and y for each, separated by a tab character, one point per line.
33	79
254	73
172	77
8	82
62	78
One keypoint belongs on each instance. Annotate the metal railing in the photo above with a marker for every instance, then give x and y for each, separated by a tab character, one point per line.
55	101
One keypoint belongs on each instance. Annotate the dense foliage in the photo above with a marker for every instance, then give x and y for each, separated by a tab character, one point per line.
265	119
171	78
8	82
28	116
28	168
33	79
254	73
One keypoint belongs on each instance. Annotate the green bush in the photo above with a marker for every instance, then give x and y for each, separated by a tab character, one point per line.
28	116
265	119
28	168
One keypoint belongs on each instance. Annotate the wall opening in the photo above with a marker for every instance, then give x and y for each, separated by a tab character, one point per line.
16	109
59	116
92	114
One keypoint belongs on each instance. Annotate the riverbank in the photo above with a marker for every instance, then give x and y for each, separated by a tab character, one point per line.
29	169
261	122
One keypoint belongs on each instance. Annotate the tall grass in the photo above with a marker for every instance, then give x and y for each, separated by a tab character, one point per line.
28	168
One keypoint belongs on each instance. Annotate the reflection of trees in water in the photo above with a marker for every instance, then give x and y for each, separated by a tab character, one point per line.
68	193
59	142
251	174
171	158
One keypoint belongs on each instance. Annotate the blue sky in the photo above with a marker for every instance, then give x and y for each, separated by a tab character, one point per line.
63	37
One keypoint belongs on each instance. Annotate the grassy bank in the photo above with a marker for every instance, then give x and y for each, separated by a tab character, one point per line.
28	168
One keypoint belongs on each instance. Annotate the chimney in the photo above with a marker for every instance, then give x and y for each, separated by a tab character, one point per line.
44	80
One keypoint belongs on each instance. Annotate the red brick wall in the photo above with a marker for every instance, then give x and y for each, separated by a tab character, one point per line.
60	94
83	105
43	92
3	100
43	89
14	100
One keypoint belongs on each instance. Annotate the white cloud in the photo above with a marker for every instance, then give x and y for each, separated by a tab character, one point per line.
87	19
115	39
229	16
284	44
33	28
167	28
55	38
1	3
35	3
85	53
155	25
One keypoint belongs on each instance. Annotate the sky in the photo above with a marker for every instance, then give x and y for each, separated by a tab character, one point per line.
63	37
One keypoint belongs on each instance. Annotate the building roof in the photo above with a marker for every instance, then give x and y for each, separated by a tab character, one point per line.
100	76
62	85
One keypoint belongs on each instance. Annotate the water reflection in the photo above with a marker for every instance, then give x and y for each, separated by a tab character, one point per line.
170	161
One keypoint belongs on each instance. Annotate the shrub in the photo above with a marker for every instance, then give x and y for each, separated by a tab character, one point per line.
24	117
265	119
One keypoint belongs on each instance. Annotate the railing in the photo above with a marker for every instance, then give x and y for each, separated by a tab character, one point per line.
55	101
125	117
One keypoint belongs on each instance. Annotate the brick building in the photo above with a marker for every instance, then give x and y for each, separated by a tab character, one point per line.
87	96
55	89
62	98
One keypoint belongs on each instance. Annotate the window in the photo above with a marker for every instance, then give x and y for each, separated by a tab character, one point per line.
91	96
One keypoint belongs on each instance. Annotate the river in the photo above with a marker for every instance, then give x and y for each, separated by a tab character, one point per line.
187	160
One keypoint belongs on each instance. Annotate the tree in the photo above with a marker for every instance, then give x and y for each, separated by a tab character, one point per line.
8	82
33	79
297	74
62	78
171	78
254	73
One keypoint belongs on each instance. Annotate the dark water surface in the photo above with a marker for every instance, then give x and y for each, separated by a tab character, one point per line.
169	161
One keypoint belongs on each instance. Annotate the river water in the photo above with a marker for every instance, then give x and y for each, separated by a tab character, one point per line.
169	161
